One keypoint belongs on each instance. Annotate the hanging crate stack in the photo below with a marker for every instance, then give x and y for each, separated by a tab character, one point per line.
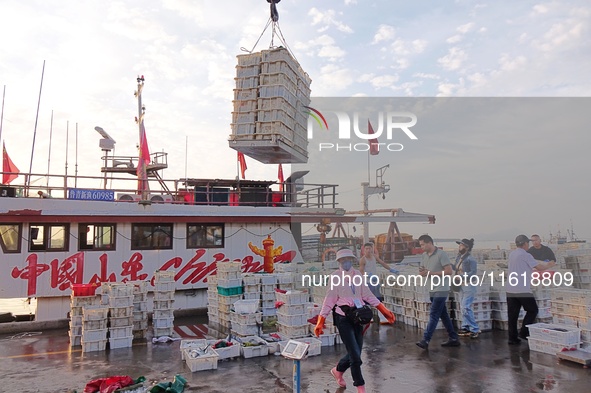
164	289
269	121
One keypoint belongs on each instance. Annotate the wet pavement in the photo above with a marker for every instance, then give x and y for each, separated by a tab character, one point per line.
391	363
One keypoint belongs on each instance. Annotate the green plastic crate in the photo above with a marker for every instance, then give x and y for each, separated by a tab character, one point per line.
230	291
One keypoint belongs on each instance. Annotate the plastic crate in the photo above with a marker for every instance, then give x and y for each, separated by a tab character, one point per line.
260	349
140	325
315	347
165	286
192	344
164	276
84	301
244	330
121	322
269	311
292	297
268	279
120	332
197	361
228	300
160	332
120	301
140	297
252	296
251	279
230	291
229	275
163	322
292	331
140	306
328	340
251	318
75	340
559	334
296	309
227	352
292	320
254	288
166	295
92	346
163	304
549	347
163	313
229	266
94	313
119	289
75	330
120	312
246	306
139	287
83	289
94	335
122	342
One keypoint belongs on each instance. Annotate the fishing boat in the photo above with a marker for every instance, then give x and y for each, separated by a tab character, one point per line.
139	223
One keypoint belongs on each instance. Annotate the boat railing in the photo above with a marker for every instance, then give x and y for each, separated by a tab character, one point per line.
116	186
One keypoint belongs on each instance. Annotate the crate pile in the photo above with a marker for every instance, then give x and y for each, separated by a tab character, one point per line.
553	338
140	309
229	287
272	91
268	286
164	289
83	295
246	319
572	307
120	298
292	319
581	269
213	317
94	328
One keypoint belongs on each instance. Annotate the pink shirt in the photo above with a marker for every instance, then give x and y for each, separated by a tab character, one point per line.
343	295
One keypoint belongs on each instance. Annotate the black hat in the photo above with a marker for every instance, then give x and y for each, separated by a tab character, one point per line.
466	242
521	240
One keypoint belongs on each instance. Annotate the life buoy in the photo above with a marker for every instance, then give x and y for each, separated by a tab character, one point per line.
327	253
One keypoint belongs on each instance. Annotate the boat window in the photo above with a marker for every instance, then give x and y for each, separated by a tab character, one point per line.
10	235
205	235
49	237
96	236
151	236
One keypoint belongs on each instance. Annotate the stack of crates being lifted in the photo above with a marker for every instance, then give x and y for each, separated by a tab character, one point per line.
140	309
164	289
120	297
83	295
229	286
292	319
272	91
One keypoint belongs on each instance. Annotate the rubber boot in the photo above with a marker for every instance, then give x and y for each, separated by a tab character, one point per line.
338	376
361	389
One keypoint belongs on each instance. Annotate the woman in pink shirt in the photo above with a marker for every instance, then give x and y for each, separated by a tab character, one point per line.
348	290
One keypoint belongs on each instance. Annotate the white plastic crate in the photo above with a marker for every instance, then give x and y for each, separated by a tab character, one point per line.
96	324
268	279
140	325
328	340
140	306
549	347
292	297
92	346
260	349
121	322
251	318
122	342
232	274
292	320
277	103
229	300
292	331
163	295
239	329
230	283
119	289
268	312
268	295
245	94
163	313
255	288
192	344
94	335
139	297
229	266
164	276
246	71
163	304
315	347
559	334
120	312
246	306
249	59
248	82
198	361
121	301
160	332
251	296
77	310
165	286
75	330
163	322
94	313
82	301
251	279
121	332
296	309
139	287
75	340
227	352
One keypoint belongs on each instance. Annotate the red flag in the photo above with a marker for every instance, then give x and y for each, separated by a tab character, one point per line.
242	162
374	147
281	179
143	160
8	166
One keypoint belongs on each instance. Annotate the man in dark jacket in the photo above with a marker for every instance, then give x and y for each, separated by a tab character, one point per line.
539	251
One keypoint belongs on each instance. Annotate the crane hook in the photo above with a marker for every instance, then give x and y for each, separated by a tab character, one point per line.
274	13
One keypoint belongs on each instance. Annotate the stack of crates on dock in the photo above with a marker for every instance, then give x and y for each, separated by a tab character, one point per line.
164	289
246	318
500	317
581	269
553	338
285	281
83	295
268	286
292	319
270	100
229	286
120	314
140	309
213	317
572	307
94	328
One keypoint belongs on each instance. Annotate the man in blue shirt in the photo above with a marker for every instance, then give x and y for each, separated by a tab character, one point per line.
519	293
466	266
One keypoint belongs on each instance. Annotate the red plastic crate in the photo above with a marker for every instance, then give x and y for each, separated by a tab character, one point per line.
83	289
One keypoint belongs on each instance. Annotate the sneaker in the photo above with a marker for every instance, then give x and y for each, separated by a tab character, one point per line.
474	334
361	389
423	344
451	343
338	376
464	332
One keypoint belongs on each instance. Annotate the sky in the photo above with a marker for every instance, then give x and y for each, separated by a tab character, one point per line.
186	50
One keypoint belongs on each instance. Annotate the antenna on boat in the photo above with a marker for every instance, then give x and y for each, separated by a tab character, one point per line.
106	144
67	138
28	182
76	165
2	114
49	153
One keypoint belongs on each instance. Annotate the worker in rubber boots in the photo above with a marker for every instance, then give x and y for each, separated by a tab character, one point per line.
346	298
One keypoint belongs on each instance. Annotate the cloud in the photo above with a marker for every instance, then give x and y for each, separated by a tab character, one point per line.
327	19
453	60
384	33
380	81
322	46
463	29
454	39
332	80
512	64
426	76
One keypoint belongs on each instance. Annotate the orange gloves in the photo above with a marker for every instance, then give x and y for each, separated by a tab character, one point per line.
319	325
387	313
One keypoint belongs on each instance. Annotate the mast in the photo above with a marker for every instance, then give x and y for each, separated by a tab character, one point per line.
28	181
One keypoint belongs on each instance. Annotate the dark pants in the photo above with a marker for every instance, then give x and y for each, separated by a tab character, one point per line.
352	336
439	310
514	304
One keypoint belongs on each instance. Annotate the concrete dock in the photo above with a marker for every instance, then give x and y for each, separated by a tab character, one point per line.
44	362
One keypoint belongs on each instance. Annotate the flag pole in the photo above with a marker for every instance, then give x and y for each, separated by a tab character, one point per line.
2	114
49	153
28	182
